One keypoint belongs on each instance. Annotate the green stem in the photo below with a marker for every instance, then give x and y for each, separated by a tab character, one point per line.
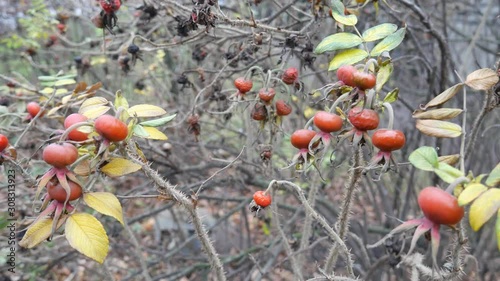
369	99
391	115
71	128
455	183
339	100
370	62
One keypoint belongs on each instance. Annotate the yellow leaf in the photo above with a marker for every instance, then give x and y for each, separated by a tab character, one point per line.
105	203
309	112
155	134
94	101
119	167
66	99
37	233
83	168
120	100
47	91
351	56
482	79
87	235
449	159
471	192
146	110
97	60
64	82
383	76
92	112
439	129
438	114
53	110
61	92
444	96
484	207
494	176
497	227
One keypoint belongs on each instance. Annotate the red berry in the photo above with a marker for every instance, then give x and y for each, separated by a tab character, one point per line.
327	122
301	138
439	206
290	76
388	140
110	6
57	192
60	155
259	112
4	142
111	128
262	199
243	85
75	135
363	119
346	74
364	80
61	27
267	95
33	108
282	108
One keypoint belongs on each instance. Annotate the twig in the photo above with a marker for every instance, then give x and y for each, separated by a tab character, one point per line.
344	216
142	262
321	220
187	203
293	261
220	170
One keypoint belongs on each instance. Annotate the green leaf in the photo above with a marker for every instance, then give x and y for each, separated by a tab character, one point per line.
383	75
494	177
349	20
448	173
392	96
64	82
48	78
424	158
484	207
140	132
337	6
389	43
338	41
379	32
158	122
351	56
339	16
470	193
